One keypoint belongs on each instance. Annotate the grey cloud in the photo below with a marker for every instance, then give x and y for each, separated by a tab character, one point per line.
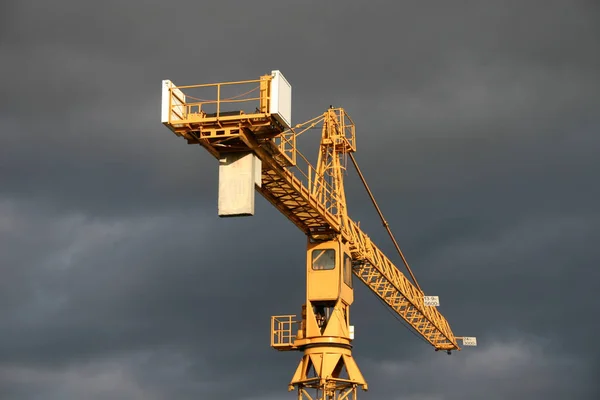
94	297
504	369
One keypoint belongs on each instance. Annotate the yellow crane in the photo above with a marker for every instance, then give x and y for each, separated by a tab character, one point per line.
247	126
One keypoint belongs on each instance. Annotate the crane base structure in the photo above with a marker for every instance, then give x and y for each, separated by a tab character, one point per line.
327	369
246	126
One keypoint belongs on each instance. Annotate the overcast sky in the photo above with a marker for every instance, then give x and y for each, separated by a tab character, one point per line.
477	129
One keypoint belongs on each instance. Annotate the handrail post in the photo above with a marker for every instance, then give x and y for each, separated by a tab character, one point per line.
272	331
170	103
294	147
218	100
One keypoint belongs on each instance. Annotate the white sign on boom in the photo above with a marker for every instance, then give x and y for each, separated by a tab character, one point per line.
469	341
431	301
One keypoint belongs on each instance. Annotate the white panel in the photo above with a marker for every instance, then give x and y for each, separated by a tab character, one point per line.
469	341
164	107
431	301
281	99
237	180
351	331
177	102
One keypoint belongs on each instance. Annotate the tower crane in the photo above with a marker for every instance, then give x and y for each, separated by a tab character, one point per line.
251	135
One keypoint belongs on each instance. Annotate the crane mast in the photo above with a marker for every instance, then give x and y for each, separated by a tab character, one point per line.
256	145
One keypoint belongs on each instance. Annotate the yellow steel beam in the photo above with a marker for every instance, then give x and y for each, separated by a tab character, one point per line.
392	286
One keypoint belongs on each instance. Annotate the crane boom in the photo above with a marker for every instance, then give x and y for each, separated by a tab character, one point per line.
312	198
296	201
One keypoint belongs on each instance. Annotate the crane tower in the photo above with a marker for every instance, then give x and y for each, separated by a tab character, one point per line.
246	126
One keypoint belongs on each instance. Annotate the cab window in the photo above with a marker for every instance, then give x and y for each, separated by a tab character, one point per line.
347	270
323	259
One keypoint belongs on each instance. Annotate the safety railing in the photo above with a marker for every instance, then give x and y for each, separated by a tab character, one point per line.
286	143
283	331
226	98
318	186
345	127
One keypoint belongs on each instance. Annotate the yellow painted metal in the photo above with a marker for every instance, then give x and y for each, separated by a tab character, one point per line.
327	367
313	198
283	332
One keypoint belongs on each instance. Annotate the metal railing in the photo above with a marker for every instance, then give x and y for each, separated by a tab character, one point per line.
283	331
317	185
217	99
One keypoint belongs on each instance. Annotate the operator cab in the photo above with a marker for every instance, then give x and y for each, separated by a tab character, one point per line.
329	272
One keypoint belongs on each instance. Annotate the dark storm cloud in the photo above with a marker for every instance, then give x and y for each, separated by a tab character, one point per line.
504	369
476	127
114	288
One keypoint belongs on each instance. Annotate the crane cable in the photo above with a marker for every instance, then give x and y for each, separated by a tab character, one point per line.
385	223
